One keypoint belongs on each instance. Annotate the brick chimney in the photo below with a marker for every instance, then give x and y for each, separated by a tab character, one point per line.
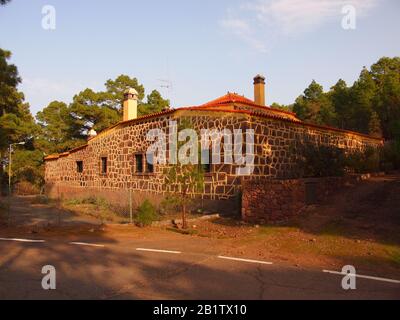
130	104
259	90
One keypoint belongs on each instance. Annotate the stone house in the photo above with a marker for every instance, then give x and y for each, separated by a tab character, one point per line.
114	161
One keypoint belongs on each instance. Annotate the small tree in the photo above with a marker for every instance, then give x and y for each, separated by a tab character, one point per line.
184	180
146	214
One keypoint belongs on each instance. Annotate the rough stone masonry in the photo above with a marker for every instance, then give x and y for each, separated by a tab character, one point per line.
114	161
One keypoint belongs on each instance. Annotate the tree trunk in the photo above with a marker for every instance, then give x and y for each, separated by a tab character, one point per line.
184	222
1	173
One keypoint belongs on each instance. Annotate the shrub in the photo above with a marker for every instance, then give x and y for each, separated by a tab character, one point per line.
391	155
319	160
41	199
73	202
363	161
92	200
26	188
146	214
315	160
169	204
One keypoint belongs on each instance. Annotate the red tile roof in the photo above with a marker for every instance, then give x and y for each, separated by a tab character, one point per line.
233	98
229	98
221	105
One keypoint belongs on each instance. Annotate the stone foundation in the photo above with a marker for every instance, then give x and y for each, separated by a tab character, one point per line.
271	201
120	198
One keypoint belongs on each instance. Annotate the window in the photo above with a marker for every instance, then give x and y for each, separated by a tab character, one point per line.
150	163
103	165
138	163
207	167
79	166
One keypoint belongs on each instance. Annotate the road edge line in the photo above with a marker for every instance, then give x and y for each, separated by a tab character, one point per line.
362	276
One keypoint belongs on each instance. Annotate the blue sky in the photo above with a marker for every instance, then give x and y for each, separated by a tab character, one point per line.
204	48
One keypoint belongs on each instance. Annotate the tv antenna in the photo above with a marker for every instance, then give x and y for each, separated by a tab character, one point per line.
167	86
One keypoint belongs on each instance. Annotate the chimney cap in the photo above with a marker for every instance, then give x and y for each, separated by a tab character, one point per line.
92	133
131	91
259	79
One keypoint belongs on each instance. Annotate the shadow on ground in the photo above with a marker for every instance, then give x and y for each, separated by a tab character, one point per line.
87	273
366	211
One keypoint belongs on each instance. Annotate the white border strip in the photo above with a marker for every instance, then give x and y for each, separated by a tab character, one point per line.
87	244
361	276
159	251
22	240
245	260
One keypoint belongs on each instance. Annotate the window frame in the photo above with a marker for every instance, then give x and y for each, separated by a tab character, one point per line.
79	166
208	165
148	165
103	165
135	164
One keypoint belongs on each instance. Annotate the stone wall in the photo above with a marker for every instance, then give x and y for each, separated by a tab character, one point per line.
120	145
274	158
271	201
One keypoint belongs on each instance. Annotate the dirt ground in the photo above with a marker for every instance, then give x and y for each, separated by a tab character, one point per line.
360	226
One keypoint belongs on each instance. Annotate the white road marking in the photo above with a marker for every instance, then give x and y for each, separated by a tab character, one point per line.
159	251
245	260
21	240
87	244
361	276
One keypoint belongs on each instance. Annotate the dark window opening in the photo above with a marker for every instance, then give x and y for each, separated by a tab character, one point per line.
104	165
79	166
207	167
150	163
138	163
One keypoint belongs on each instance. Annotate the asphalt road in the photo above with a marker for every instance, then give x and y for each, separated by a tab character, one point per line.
118	270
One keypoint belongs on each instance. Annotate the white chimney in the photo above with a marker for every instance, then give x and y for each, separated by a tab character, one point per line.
130	104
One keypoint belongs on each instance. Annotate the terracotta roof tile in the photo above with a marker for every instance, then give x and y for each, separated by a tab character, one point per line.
229	98
220	105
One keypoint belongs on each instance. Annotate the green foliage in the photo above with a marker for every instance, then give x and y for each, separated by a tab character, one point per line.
184	180
40	199
371	105
92	200
28	166
56	124
319	160
64	127
170	204
282	107
16	123
315	106
391	155
374	125
366	161
155	103
146	214
314	160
